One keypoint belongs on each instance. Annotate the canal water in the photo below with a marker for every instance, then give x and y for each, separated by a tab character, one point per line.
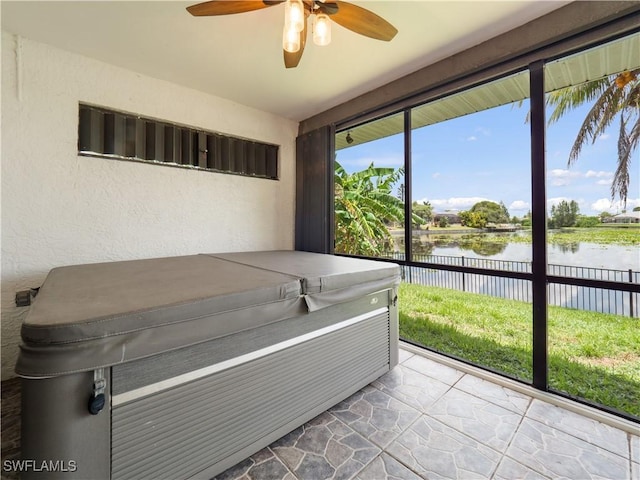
582	260
579	254
615	257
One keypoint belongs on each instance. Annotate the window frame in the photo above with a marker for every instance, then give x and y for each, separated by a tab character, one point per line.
534	63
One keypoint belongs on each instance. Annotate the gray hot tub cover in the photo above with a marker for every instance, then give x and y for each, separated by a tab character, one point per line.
97	315
326	279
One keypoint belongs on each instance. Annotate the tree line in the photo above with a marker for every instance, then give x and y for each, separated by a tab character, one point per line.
487	213
479	216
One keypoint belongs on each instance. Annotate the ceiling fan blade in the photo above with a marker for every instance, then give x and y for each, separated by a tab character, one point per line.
291	60
324	6
227	7
362	21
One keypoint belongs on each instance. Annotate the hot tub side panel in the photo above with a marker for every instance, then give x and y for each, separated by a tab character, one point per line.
60	438
200	428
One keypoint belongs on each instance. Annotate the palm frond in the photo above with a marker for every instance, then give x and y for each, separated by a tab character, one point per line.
634	136
621	179
568	98
597	120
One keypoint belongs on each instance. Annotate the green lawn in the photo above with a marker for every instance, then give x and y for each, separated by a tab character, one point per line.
594	356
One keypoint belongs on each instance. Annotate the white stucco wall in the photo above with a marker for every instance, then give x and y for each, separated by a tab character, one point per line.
59	208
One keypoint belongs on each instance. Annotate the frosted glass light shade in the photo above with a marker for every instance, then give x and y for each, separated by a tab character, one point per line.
322	30
294	15
290	40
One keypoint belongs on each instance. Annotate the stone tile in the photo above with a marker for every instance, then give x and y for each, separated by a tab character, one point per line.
433	369
325	448
634	444
494	393
483	421
635	471
436	451
264	465
557	454
411	387
589	430
404	355
385	467
375	415
510	469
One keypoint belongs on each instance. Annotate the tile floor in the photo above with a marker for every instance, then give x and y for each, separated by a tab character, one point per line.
428	420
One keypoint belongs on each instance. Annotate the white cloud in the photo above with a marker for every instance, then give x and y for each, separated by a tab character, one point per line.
603	205
563	173
436	175
455	203
604	136
632	203
561	177
600	174
519	205
606	205
471	138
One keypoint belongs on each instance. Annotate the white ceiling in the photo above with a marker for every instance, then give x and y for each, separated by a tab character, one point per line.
239	57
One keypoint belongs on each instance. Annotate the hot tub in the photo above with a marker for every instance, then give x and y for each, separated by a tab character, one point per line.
181	367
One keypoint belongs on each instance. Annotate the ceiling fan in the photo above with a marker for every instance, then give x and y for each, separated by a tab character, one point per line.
348	15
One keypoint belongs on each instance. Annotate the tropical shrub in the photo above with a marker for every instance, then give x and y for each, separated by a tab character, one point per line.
365	207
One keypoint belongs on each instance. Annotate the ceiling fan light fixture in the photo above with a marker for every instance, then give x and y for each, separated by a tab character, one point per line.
294	36
322	29
290	40
294	17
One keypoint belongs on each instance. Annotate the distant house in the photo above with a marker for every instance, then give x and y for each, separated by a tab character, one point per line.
630	217
451	217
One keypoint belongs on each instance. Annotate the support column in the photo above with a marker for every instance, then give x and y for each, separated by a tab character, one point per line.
314	191
539	226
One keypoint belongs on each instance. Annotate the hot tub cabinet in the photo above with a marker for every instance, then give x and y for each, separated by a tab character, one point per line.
181	367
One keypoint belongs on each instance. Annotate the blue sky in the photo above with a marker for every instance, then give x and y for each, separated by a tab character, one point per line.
486	156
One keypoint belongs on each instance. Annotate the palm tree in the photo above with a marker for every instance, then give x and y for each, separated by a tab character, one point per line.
615	96
364	207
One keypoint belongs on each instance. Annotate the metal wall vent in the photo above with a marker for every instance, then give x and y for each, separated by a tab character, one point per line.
111	134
